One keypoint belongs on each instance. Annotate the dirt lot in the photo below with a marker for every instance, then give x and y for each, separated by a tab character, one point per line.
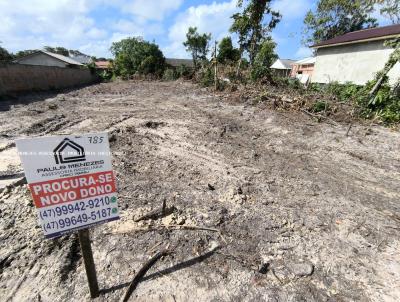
305	212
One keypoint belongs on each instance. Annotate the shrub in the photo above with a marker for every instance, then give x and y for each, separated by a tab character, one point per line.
170	75
105	75
384	105
343	92
263	60
320	106
183	71
206	76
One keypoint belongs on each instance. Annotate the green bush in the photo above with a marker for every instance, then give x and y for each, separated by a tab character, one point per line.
183	71
320	106
286	82
105	75
349	91
206	76
170	75
259	72
263	60
343	92
385	105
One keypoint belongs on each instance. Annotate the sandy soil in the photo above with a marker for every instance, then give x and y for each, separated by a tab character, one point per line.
305	213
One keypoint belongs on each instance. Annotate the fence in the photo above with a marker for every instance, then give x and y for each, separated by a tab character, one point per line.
16	78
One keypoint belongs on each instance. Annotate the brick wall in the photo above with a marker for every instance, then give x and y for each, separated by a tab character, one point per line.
15	78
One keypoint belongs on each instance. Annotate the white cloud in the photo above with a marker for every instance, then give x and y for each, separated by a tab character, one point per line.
135	28
214	18
303	52
31	24
292	9
98	48
119	36
151	10
36	23
96	33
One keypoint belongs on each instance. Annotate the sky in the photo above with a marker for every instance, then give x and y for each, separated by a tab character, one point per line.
91	26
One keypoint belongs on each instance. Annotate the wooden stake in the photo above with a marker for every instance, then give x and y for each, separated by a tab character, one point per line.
215	67
86	248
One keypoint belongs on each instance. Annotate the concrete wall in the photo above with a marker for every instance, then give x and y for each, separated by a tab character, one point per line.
355	63
42	60
15	78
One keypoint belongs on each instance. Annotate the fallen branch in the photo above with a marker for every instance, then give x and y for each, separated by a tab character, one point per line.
319	116
192	227
348	129
172	227
140	274
276	277
157	213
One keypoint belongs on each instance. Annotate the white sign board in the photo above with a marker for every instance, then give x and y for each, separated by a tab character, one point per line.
71	181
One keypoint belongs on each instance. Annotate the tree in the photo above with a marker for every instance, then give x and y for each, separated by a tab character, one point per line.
389	9
197	44
75	53
264	59
5	56
134	55
58	50
254	25
226	51
23	53
333	18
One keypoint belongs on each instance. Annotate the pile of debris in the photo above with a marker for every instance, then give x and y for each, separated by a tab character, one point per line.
319	106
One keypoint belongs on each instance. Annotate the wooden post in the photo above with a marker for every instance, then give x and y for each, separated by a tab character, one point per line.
84	241
215	67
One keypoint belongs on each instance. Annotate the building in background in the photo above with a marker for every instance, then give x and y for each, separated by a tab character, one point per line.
355	57
303	69
45	58
103	65
83	59
282	67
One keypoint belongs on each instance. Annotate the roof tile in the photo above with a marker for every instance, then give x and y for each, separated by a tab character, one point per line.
360	35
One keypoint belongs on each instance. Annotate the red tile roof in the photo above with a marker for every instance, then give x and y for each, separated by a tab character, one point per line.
360	35
103	64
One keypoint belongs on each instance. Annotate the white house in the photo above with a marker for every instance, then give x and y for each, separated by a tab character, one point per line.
282	67
45	58
355	57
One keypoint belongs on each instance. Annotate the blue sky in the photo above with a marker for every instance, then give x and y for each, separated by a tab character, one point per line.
92	25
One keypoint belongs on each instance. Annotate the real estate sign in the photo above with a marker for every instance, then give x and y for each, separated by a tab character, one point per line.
71	181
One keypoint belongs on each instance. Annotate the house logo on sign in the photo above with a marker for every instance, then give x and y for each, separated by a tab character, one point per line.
69	152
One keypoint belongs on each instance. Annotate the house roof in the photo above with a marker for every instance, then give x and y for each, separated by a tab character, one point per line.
178	62
282	64
103	64
370	34
83	59
309	60
62	58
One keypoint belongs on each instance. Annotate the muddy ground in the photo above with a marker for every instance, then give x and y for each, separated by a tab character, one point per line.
304	212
